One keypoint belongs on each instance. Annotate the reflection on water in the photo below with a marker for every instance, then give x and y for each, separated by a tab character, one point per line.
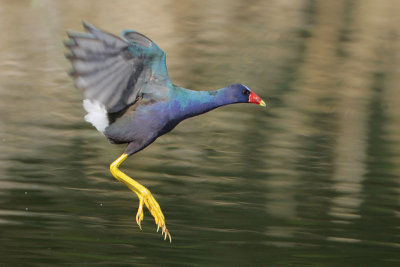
311	181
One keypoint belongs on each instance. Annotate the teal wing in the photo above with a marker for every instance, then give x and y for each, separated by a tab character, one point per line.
110	69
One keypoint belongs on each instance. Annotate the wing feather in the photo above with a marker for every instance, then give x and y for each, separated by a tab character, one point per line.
107	68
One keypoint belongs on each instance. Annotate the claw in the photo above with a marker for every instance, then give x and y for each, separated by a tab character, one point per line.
139	214
138	221
169	236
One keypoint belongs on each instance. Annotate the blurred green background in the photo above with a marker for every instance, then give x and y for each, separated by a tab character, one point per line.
311	181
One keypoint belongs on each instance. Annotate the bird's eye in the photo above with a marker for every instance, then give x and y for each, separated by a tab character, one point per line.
246	92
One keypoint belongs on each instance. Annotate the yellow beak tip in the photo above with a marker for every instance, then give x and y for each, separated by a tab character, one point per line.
262	103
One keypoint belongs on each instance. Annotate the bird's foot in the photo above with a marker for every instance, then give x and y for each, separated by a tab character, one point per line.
145	197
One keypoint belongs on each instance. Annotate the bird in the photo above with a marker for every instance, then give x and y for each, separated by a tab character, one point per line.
130	99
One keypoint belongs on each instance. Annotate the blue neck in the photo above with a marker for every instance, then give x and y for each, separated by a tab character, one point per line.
189	103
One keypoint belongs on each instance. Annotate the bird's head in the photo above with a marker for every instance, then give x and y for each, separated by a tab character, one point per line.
240	93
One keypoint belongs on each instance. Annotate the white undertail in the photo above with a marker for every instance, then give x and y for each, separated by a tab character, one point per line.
97	114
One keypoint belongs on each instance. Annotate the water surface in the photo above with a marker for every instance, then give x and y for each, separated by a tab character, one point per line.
311	181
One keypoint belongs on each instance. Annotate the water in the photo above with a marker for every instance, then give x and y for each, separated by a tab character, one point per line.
311	181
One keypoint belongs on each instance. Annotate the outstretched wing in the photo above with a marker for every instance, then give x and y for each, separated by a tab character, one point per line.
110	69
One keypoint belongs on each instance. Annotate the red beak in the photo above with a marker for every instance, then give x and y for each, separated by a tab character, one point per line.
253	98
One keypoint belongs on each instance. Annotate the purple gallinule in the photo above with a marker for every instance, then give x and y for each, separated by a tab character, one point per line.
130	98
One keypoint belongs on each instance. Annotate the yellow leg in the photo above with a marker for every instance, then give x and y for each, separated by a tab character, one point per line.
145	197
